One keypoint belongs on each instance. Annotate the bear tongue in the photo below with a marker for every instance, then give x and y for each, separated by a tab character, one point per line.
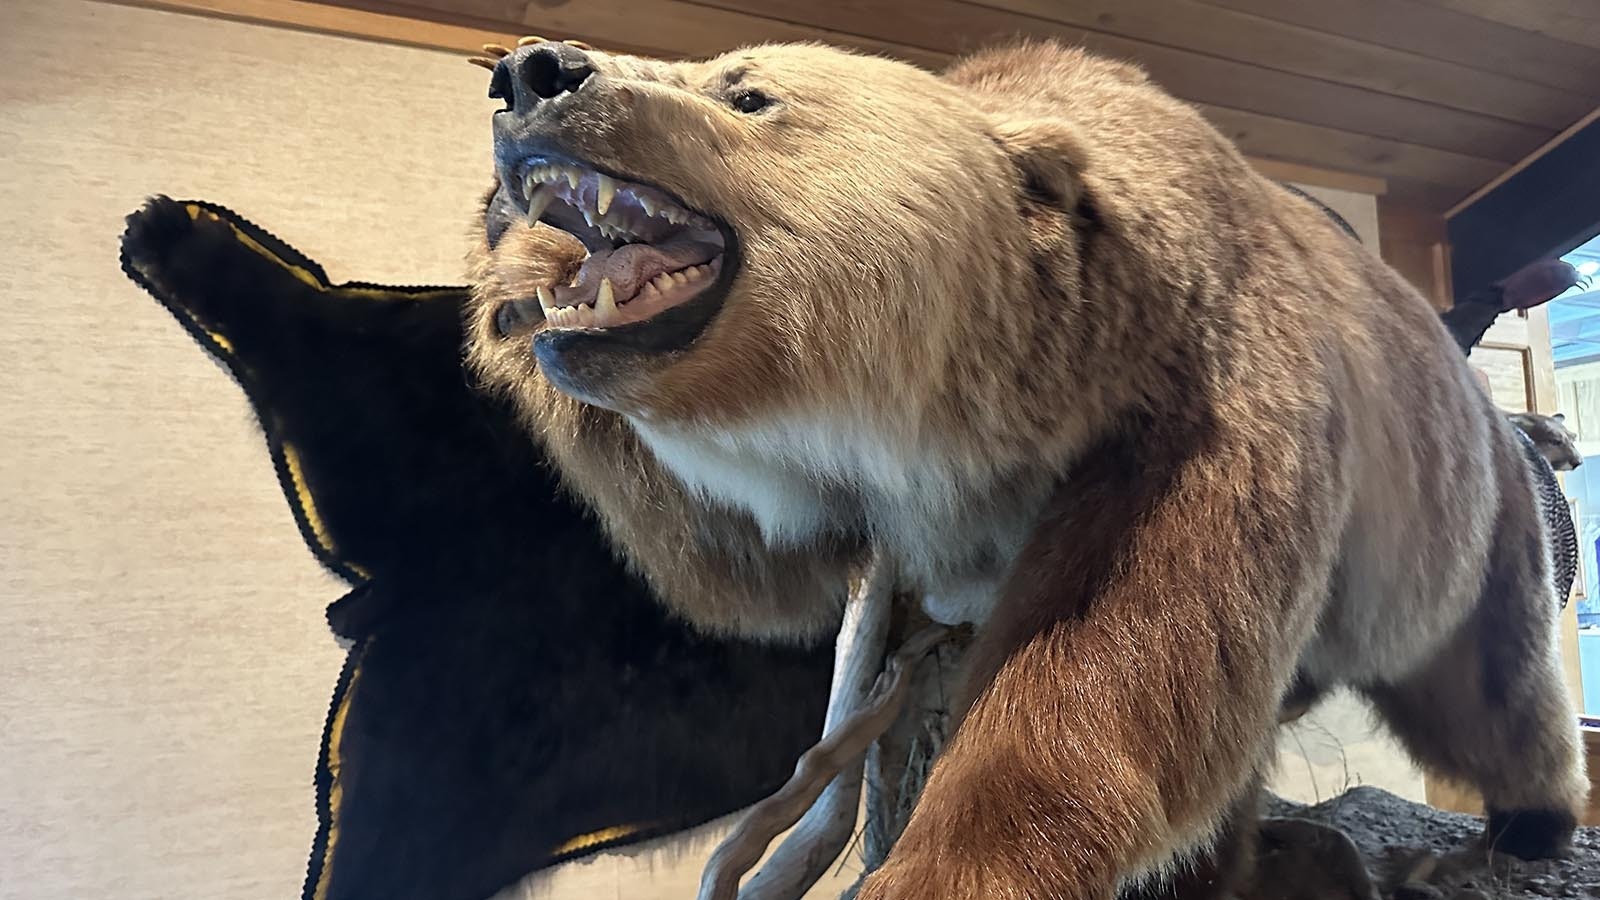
629	267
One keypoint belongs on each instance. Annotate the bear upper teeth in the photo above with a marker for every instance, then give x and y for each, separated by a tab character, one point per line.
596	196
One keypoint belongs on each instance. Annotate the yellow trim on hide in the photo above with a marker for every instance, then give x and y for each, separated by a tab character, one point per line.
604	835
298	272
335	789
308	507
302	495
225	345
196	211
303	274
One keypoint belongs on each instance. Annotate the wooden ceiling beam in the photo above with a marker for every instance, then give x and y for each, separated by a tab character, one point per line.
1331	148
1442	34
1577	21
1271	44
1279	147
1526	161
914	29
325	18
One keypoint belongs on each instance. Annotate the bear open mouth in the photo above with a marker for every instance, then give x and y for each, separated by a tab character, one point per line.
648	253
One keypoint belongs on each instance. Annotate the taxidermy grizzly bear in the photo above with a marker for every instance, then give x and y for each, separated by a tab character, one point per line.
1040	335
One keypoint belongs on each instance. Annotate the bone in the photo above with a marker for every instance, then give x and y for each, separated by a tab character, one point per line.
824	831
818	767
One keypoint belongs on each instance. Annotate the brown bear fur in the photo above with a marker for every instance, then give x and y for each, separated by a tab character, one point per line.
1041	335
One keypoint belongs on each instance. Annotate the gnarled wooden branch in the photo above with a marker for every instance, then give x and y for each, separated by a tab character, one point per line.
825	829
817	767
900	760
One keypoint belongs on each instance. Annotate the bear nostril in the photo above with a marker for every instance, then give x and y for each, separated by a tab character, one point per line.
552	69
500	86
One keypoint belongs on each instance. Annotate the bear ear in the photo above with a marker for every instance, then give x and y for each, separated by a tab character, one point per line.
1049	156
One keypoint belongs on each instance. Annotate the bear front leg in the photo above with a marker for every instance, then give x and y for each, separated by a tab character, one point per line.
1126	689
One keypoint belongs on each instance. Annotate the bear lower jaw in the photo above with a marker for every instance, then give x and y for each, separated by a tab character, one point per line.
608	295
605	365
595	302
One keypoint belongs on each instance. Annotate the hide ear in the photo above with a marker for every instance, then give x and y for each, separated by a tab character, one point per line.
1048	155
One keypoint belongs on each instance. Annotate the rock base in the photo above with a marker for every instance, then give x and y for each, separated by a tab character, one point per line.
1368	844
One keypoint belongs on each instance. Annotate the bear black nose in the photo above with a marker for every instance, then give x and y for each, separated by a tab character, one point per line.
551	69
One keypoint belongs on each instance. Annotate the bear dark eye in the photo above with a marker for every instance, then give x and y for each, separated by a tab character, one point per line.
750	101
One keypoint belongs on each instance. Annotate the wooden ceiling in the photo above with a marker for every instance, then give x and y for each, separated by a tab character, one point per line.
1435	97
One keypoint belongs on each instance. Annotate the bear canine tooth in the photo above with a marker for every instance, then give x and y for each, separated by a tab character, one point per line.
547	300
605	302
605	193
539	201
